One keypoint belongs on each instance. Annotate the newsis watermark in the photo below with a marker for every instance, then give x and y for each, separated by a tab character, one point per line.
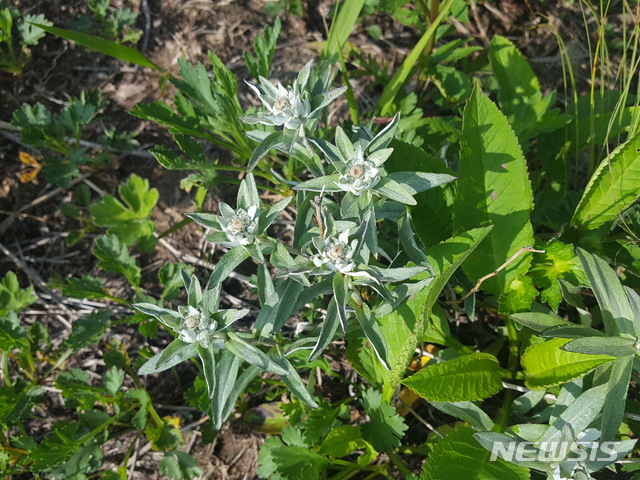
517	451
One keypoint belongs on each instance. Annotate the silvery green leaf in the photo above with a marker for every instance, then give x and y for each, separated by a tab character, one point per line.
252	354
320	101
227	317
330	151
538	321
372	331
293	381
248	193
272	141
614	452
236	389
396	274
387	187
281	258
223	398
208	358
616	400
278	308
226	265
269	215
178	351
525	402
634	301
218	238
345	147
168	317
194	291
613	346
326	183
568	393
384	137
206	220
466	411
303	76
254	118
265	284
380	156
416	182
150	365
327	330
490	440
341	292
579	414
530	432
211	300
570	330
408	240
226	211
254	252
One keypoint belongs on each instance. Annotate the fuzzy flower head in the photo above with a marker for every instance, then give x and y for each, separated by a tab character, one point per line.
286	107
195	326
335	254
359	174
239	225
291	107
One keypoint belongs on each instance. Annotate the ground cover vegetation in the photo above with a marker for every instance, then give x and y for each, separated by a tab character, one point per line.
361	266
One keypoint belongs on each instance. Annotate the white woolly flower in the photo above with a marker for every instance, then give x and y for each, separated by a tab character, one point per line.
239	225
359	174
196	327
286	106
336	254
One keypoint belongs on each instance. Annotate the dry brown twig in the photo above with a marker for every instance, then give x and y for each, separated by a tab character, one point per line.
494	273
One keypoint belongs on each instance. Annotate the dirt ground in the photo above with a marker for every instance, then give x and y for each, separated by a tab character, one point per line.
33	240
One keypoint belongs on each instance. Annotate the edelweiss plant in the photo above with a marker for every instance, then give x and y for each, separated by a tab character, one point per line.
358	169
295	108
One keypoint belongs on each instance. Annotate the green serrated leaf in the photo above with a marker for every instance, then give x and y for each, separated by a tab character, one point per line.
88	329
470	377
546	365
459	455
114	257
493	189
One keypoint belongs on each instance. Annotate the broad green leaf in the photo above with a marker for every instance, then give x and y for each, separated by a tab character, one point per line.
467	378
493	189
459	456
404	328
100	45
614	186
546	365
177	465
343	440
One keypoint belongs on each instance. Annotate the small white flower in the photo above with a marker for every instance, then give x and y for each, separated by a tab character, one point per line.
336	253
239	225
286	106
196	327
359	174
